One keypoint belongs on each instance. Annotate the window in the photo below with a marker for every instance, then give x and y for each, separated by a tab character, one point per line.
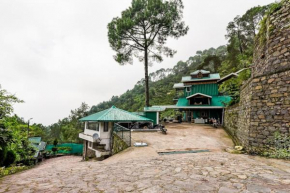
93	126
188	89
199	75
106	126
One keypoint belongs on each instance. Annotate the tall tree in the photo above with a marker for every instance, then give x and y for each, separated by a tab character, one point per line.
142	31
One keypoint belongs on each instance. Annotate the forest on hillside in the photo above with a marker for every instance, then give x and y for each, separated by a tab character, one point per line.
237	54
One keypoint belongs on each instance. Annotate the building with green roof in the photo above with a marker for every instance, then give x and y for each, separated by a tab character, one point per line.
198	97
99	127
38	145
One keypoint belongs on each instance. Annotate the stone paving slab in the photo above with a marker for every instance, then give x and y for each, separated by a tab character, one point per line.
204	172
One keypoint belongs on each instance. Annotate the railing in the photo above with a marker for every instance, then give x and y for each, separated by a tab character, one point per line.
123	133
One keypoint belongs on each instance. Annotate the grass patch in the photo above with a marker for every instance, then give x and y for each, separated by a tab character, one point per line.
4	171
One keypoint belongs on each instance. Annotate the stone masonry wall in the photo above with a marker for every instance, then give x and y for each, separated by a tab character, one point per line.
264	106
118	144
237	118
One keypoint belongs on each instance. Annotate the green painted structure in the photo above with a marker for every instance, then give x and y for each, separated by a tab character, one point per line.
114	114
198	98
152	116
76	149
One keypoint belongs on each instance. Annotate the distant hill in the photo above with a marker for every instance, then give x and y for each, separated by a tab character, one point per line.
237	54
161	82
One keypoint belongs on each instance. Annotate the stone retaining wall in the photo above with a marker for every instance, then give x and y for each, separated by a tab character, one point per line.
118	144
264	106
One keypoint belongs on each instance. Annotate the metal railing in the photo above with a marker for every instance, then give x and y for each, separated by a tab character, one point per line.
123	133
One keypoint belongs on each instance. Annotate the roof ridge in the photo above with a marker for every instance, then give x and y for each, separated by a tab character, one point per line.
129	112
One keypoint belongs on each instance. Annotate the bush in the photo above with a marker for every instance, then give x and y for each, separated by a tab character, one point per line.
280	148
55	142
3	155
12	170
10	158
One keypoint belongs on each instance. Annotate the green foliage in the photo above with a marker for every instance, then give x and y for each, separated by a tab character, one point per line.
142	31
54	149
55	142
241	33
161	84
68	129
280	147
10	158
262	35
6	102
145	26
14	145
4	171
3	155
232	87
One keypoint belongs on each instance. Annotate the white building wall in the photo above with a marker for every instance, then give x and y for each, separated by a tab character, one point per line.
104	136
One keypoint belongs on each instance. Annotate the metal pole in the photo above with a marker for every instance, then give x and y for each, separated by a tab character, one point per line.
28	127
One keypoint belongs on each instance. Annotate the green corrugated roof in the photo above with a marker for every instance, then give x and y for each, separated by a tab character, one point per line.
34	139
114	114
215	101
215	76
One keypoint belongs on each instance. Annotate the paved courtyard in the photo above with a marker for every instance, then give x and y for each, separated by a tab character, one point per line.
204	172
216	171
183	136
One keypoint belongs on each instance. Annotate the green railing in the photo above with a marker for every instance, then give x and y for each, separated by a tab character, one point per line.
124	133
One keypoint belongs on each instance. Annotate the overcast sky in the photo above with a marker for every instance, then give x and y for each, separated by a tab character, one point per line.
54	54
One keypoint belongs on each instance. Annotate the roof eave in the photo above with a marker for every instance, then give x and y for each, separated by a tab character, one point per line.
200	80
198	94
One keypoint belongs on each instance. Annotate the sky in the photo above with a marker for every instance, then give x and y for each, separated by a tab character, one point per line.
54	54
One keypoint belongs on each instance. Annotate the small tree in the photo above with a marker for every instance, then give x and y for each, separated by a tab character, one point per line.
54	149
55	142
142	32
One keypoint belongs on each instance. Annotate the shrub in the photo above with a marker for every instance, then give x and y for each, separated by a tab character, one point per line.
54	149
280	148
10	158
3	155
12	170
55	142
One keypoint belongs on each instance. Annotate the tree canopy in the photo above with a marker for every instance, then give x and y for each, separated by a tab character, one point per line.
142	31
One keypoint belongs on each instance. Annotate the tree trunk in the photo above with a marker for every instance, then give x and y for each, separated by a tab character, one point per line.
240	43
146	78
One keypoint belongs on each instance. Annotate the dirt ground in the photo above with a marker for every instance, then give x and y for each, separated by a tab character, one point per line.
183	136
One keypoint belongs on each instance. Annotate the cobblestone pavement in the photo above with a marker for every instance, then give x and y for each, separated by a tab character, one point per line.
202	172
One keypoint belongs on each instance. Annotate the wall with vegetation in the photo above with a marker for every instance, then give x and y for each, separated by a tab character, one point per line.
264	107
118	144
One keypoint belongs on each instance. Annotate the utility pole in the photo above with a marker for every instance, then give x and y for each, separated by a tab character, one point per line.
28	127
